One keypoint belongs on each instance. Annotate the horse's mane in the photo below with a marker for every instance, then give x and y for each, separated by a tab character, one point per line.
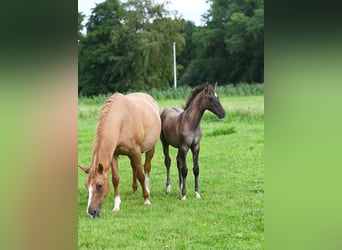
101	120
193	94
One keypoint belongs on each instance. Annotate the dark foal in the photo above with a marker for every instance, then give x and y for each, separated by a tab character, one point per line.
181	129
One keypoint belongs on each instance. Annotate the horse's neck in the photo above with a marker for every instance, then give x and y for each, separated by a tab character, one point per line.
193	114
102	157
103	150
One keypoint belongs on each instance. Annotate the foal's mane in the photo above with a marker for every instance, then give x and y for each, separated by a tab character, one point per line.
193	94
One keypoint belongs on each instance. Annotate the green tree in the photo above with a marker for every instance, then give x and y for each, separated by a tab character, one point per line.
187	54
229	48
80	25
128	46
244	40
145	45
96	50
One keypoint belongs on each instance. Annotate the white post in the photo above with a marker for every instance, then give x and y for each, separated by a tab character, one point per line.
174	65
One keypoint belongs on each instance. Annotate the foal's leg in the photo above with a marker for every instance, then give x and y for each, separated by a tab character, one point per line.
182	169
195	152
167	162
136	160
116	180
147	167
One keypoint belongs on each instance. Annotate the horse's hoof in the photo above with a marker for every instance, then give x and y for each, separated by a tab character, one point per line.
197	195
147	202
116	209
184	198
117	202
168	189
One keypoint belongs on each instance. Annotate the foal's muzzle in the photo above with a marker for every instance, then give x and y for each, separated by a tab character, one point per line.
222	114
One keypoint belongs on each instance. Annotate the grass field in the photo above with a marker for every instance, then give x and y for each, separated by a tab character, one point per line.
230	214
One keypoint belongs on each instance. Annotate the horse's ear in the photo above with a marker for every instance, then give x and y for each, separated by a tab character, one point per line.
84	169
100	169
215	85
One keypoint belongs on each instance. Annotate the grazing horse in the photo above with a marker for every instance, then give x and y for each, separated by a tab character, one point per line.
127	125
181	129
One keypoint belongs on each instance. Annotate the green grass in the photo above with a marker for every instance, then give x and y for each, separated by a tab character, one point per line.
230	214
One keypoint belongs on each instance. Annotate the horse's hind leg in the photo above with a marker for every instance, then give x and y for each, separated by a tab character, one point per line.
136	160
182	169
116	180
167	162
134	180
147	167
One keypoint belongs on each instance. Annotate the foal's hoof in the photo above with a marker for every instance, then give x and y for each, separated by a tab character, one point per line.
184	198
197	195
147	202
168	189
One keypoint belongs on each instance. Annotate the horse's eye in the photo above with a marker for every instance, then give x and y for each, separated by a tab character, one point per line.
98	187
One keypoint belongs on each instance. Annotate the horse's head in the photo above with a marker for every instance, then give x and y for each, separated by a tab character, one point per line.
213	103
98	189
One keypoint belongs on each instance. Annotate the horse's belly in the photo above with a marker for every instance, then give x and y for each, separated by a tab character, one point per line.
123	150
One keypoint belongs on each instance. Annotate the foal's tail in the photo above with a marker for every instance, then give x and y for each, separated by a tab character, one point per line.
162	118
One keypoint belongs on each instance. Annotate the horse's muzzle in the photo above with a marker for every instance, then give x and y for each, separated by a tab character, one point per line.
94	212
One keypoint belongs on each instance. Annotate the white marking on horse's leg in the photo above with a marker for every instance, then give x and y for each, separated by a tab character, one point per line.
147	202
168	189
147	184
184	198
117	202
197	195
90	195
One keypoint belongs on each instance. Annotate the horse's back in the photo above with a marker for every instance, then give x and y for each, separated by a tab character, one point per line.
142	107
143	102
142	119
170	114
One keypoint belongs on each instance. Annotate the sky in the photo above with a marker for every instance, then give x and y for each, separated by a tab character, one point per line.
189	9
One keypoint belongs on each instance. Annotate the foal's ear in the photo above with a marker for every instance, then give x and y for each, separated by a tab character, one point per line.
100	169
206	87
84	169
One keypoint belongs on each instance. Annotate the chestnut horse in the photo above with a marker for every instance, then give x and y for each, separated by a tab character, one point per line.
181	129
127	125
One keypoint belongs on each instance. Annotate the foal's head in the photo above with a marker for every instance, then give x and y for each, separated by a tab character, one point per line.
212	102
98	188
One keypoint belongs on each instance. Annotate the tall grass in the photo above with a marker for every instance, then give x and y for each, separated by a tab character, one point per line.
241	89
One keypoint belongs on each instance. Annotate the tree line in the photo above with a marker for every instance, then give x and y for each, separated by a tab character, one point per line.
127	46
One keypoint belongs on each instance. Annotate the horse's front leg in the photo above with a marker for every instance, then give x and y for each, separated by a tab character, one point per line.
195	152
116	180
182	169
